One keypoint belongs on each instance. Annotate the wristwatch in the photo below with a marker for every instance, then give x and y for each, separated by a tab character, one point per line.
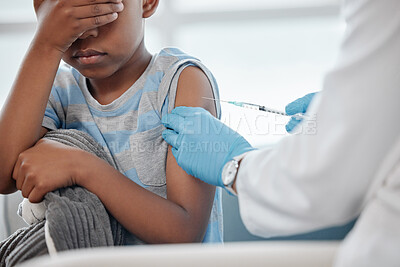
229	173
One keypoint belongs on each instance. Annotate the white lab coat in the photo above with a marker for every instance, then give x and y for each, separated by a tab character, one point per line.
329	175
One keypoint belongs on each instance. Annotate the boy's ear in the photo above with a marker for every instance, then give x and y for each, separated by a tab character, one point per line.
149	7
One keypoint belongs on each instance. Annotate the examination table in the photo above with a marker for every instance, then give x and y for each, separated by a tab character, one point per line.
240	248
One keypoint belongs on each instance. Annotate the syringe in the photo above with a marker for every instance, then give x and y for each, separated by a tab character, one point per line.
298	116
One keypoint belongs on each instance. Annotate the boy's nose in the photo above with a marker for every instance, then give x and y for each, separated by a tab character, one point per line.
90	33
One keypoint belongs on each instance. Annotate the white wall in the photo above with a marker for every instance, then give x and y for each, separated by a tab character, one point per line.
3	233
9	220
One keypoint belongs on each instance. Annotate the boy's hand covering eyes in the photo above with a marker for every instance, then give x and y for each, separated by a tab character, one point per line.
61	22
201	144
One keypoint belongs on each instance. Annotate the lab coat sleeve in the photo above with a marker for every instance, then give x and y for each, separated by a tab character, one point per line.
321	177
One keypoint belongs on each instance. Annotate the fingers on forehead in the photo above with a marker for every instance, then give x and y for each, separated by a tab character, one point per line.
90	2
37	3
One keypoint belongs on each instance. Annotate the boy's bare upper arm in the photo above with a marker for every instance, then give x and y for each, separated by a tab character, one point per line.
193	85
190	193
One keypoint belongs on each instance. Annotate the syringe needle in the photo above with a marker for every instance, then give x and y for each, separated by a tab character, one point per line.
257	107
215	99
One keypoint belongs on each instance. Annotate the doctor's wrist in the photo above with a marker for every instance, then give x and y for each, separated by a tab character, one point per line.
230	173
234	186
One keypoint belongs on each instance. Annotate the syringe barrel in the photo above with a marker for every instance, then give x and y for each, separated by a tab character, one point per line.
250	106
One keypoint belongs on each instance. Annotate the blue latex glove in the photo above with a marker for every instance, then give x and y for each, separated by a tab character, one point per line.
298	106
201	144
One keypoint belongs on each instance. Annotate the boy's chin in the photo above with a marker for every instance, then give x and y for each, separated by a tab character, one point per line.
91	71
94	73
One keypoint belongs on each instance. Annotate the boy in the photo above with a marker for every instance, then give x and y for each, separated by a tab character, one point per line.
116	91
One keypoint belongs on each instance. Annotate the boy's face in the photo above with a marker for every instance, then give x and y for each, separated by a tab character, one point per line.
101	52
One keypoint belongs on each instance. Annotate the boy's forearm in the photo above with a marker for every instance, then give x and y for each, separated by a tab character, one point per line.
147	215
22	114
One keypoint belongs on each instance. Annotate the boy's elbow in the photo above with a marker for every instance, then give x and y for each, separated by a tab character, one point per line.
189	236
179	235
7	189
7	184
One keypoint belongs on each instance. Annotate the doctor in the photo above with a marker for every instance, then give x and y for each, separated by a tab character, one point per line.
349	167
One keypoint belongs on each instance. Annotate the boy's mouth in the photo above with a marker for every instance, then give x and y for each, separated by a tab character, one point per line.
89	56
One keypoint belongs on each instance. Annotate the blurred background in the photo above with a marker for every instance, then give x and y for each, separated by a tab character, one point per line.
267	52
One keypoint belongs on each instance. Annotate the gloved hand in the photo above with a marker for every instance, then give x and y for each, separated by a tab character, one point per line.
298	106
201	144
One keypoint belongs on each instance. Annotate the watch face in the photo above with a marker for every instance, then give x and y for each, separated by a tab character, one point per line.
229	172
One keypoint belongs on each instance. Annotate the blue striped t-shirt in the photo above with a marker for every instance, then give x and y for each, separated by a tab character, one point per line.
129	128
